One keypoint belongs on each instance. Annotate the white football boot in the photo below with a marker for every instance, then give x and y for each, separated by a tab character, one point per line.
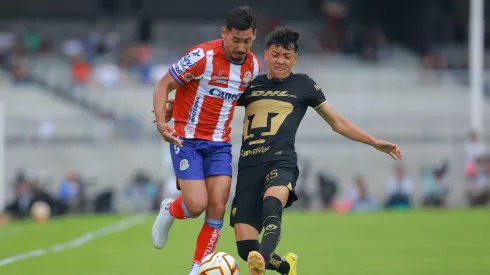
162	225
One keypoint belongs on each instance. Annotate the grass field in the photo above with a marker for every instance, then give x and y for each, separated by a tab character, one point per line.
421	242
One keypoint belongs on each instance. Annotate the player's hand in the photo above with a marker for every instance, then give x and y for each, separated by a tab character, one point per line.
391	149
167	133
168	111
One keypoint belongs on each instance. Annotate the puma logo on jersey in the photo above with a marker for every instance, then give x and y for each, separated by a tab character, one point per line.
269	93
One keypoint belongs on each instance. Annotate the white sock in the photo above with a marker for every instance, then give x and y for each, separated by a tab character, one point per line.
194	269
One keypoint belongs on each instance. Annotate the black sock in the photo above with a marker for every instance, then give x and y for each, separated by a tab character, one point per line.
276	263
272	213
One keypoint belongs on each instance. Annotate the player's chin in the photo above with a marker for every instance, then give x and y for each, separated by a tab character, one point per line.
280	72
238	57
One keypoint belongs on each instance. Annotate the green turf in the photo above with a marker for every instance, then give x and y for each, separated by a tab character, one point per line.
422	243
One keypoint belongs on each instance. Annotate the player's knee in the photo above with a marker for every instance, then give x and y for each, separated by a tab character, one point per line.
216	209
197	207
247	246
272	208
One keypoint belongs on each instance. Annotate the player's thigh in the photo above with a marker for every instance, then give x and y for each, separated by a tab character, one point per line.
188	167
187	161
280	182
217	159
195	195
218	191
247	203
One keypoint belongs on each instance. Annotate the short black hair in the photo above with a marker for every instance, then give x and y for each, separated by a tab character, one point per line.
284	36
241	18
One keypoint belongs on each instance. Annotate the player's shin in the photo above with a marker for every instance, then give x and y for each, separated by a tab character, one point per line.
208	239
272	213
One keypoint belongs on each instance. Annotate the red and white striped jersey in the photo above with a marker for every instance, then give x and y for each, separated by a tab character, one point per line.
210	87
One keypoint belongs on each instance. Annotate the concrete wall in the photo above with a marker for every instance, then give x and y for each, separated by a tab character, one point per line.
113	164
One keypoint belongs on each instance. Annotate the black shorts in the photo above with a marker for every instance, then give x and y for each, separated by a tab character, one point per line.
252	182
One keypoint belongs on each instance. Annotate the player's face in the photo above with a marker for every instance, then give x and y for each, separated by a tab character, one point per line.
237	43
280	61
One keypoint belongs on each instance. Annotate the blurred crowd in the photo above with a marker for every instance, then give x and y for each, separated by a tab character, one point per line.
73	194
400	188
124	60
105	62
367	29
143	192
14	50
101	58
29	189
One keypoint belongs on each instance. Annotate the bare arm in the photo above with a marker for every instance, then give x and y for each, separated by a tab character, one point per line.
343	126
316	99
160	96
351	131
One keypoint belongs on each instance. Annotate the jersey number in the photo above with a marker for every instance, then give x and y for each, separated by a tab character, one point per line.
264	118
271	176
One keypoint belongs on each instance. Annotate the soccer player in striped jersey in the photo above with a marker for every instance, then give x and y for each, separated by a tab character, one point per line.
209	79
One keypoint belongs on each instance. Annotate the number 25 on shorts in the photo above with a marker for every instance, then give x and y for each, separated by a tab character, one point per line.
271	176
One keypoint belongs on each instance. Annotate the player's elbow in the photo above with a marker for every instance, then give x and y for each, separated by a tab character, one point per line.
338	125
166	84
163	84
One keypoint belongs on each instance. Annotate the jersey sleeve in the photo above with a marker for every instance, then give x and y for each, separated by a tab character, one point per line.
190	66
315	97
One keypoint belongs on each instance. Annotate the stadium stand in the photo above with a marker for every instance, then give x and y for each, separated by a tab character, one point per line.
27	107
428	118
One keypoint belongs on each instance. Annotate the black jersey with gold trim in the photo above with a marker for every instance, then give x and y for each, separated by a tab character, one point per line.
273	111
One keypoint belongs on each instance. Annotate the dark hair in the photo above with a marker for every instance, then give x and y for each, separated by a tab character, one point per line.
284	36
240	18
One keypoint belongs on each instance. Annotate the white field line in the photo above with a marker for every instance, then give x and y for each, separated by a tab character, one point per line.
77	242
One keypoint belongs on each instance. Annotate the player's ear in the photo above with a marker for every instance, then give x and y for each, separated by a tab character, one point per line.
295	58
266	55
223	32
255	34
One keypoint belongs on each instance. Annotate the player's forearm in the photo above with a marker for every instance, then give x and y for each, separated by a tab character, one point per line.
351	131
160	98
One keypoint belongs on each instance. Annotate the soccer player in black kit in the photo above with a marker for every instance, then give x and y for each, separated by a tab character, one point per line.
267	170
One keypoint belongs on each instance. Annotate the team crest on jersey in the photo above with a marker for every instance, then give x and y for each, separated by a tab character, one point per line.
247	77
188	77
184	164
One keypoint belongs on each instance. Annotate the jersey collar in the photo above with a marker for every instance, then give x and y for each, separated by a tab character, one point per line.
229	59
280	80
